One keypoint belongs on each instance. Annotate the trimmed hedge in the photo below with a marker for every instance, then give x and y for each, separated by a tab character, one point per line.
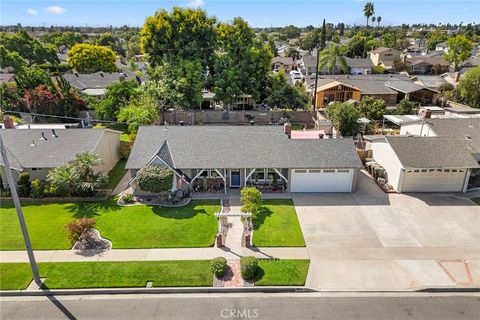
219	266
155	179
248	267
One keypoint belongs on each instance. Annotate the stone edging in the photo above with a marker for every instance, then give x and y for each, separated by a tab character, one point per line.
82	252
153	204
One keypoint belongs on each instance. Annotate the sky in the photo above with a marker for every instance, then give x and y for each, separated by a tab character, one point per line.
259	13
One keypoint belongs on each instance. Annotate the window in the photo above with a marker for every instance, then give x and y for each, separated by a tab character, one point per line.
35	169
439	170
431	170
416	170
343	171
300	171
424	170
204	174
329	171
271	173
446	170
258	175
315	171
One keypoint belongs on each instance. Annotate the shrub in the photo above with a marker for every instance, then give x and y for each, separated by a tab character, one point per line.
5	193
251	200
155	178
77	227
219	266
125	149
36	189
24	185
248	267
52	190
128	198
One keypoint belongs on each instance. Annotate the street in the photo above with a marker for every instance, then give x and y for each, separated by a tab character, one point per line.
247	306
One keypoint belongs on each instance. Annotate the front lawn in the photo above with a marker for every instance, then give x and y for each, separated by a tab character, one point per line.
116	174
63	275
281	272
277	225
127	227
14	276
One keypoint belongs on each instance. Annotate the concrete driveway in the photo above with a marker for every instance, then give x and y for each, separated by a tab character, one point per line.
370	240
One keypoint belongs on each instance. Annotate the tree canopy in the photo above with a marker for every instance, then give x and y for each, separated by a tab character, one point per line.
469	87
459	50
344	117
89	58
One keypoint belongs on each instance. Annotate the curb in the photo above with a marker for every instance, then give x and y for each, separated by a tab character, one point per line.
169	290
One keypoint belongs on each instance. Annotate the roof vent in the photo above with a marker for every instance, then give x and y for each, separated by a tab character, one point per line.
33	144
54	134
468	137
43	137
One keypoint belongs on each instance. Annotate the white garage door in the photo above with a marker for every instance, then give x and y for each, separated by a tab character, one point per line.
321	180
434	180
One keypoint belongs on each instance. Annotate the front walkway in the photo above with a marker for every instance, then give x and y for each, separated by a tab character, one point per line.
157	254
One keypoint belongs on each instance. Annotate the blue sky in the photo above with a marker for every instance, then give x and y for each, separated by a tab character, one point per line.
259	13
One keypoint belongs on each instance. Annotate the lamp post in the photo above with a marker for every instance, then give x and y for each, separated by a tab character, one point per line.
21	219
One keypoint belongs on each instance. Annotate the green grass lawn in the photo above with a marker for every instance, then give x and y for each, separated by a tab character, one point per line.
116	174
298	127
277	225
281	272
127	227
63	275
15	276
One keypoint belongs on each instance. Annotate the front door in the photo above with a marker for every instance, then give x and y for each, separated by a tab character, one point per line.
235	178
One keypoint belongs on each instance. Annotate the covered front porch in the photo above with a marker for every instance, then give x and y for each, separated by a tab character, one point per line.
212	180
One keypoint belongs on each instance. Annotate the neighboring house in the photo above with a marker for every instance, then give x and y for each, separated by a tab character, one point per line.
429	81
427	64
384	57
451	77
421	164
441	47
354	87
237	156
309	63
359	66
95	84
413	92
37	151
282	63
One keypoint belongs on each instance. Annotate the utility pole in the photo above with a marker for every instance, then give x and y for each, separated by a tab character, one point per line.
319	48
21	219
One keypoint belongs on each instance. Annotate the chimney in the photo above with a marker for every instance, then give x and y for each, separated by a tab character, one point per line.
8	123
287	128
43	137
54	134
457	77
426	113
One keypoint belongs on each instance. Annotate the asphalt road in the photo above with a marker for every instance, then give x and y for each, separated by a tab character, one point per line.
246	306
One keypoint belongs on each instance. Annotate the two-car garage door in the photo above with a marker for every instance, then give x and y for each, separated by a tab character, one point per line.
321	180
434	180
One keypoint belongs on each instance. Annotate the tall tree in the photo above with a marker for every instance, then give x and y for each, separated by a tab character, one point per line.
459	50
324	36
379	18
330	57
183	34
88	58
469	87
368	11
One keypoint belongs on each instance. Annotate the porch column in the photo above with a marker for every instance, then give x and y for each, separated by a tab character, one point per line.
225	180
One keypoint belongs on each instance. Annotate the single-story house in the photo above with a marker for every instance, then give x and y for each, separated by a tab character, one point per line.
37	151
359	66
429	81
282	63
425	164
238	156
428	64
413	92
95	84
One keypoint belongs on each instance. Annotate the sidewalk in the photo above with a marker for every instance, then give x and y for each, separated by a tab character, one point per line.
156	254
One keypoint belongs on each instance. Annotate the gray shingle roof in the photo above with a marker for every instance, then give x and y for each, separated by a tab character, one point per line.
359	63
195	147
404	86
458	128
98	80
50	153
430	152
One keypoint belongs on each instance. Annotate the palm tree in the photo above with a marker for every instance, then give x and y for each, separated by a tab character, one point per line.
379	18
65	177
373	21
368	11
330	56
84	162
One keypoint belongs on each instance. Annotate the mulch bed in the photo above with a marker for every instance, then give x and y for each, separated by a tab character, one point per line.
90	242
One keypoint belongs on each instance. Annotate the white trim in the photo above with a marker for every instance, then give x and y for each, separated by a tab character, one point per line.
166	164
221	176
280	174
249	175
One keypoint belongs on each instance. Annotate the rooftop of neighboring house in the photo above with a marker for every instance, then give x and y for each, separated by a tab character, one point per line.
42	148
428	59
193	147
359	62
458	128
97	80
6	77
430	81
383	49
432	152
283	60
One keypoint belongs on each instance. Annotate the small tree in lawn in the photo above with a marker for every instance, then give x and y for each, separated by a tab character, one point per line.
76	228
155	179
251	199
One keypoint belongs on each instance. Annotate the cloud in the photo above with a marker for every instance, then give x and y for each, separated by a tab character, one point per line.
55	10
195	3
32	12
